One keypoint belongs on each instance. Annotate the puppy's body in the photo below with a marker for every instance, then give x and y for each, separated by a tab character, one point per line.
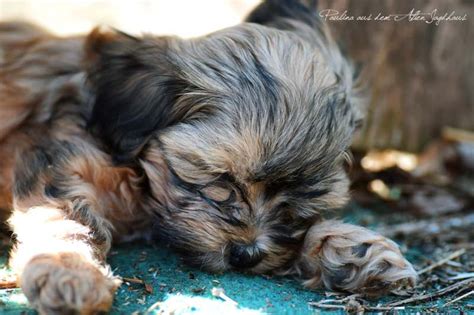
228	147
44	112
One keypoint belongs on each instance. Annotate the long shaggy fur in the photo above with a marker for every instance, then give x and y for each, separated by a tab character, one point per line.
228	147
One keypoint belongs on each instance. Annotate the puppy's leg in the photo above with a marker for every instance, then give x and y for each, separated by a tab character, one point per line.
65	198
60	263
352	258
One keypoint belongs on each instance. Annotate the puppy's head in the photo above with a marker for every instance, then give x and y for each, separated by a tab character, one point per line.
242	135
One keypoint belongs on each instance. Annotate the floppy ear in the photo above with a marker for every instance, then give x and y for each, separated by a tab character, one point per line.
135	87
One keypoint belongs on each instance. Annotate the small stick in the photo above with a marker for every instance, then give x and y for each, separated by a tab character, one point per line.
459	135
351	297
219	292
463	275
134	280
367	308
441	262
469	283
384	308
326	301
330	306
459	298
153	307
8	284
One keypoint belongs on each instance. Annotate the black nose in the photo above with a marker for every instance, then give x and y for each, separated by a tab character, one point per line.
244	255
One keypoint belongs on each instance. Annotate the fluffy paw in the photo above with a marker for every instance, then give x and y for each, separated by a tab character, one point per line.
351	258
67	284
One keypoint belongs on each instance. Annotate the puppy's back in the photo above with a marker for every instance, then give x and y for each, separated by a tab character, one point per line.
38	79
33	64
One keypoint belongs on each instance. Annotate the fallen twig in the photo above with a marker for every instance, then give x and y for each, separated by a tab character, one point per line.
463	275
219	292
345	299
345	307
441	262
133	280
153	307
8	284
460	135
329	306
468	284
459	298
383	308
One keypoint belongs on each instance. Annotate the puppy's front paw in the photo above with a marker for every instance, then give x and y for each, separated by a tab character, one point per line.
67	284
352	258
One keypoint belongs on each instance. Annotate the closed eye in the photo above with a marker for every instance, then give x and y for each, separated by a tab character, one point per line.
209	201
218	194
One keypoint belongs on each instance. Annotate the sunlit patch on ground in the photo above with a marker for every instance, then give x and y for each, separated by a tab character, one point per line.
180	304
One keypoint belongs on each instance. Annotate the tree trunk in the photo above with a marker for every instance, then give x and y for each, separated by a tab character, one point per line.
421	76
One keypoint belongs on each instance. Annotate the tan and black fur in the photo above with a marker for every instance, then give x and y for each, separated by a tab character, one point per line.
228	147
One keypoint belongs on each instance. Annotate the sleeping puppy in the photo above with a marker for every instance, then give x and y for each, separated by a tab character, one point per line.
229	147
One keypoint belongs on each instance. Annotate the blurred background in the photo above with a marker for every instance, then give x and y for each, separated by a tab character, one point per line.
413	170
185	18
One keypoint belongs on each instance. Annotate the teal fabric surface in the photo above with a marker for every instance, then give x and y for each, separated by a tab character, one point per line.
186	290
